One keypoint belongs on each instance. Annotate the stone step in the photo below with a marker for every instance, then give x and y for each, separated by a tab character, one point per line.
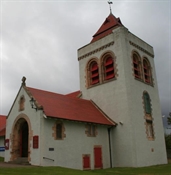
21	161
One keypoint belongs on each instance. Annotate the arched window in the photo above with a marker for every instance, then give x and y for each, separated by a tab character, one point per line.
147	71
148	116
109	72
147	103
94	73
137	66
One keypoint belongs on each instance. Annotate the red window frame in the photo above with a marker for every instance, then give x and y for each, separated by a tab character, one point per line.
137	70
94	73
147	72
109	72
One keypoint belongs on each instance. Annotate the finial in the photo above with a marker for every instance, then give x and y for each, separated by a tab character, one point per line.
110	2
24	81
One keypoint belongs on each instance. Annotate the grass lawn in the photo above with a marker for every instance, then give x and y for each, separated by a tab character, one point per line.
1	159
153	170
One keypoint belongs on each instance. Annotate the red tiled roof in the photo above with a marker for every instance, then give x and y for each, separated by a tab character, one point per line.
74	94
65	107
106	28
2	125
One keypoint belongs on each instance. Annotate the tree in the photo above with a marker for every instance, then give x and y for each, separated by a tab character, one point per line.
168	136
169	119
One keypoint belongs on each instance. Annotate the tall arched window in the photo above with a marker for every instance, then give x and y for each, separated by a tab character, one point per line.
137	66
109	71
147	71
147	103
148	116
94	73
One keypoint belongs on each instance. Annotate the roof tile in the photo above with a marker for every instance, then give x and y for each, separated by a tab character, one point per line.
69	108
106	28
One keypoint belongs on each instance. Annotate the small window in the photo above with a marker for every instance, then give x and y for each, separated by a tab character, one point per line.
94	73
91	130
150	133
109	69
147	71
59	131
137	66
21	103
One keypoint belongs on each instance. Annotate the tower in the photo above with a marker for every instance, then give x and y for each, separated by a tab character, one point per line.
117	72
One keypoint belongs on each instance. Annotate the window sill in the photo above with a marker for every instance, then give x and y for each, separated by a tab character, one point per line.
151	138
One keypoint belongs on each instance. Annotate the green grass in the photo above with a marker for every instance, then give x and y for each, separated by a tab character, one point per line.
1	159
153	170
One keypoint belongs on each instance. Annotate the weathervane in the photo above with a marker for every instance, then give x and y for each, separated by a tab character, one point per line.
110	2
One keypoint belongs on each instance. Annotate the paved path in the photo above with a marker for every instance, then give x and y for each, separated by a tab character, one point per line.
9	165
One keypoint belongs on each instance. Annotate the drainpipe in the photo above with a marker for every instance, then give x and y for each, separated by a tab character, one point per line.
110	152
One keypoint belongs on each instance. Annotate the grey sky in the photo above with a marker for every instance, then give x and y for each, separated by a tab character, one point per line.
39	40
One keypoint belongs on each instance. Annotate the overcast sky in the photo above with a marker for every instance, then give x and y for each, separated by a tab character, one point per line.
39	40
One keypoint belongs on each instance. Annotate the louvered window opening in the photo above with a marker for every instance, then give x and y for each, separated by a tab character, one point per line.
94	71
146	72
136	67
109	69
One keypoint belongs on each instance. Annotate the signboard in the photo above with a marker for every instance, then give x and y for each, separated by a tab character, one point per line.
2	149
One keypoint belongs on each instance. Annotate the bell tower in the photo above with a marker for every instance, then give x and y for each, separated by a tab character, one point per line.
117	72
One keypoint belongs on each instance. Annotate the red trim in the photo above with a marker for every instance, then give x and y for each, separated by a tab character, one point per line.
35	142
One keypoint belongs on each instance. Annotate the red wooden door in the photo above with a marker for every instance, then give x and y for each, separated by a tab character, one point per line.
98	157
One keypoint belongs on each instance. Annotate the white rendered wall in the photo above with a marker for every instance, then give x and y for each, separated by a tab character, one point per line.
2	153
34	118
121	100
69	151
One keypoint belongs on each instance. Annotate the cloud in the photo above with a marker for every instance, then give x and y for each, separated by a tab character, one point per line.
40	41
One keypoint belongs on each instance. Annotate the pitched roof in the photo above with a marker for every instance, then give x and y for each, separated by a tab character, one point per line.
2	125
106	28
69	108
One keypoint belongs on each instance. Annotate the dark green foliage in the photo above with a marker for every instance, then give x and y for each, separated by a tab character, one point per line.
168	141
169	120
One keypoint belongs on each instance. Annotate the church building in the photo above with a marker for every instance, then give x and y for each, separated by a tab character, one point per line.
113	121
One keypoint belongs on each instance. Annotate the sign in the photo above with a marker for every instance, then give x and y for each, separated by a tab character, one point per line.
2	149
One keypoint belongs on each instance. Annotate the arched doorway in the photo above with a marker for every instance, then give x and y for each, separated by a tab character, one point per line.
20	139
24	140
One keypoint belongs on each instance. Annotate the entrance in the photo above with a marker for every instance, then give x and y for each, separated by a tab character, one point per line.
98	157
24	140
20	139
